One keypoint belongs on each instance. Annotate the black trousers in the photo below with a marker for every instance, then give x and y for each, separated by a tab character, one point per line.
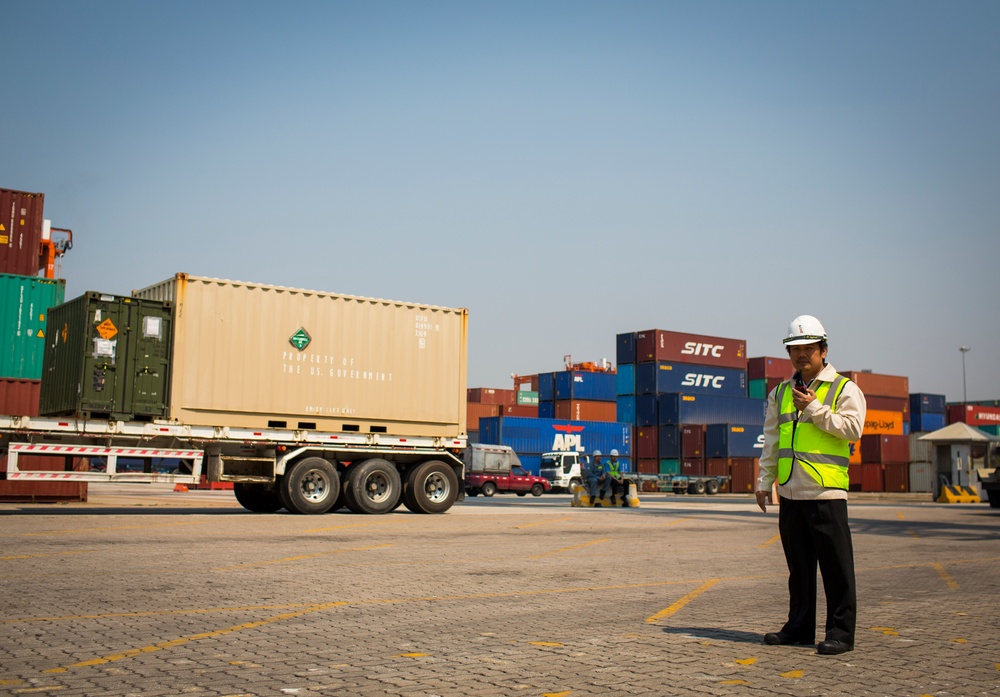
816	532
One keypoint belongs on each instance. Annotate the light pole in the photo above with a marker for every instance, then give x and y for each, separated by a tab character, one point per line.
964	350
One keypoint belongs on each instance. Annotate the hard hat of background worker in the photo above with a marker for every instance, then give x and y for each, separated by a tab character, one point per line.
597	453
614	453
804	329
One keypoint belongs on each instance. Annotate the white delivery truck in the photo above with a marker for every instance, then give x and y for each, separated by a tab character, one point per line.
304	400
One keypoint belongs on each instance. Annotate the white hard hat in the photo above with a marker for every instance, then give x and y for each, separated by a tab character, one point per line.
614	453
805	329
597	453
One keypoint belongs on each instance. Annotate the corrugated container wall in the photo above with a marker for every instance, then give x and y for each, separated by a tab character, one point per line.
764	367
107	356
24	306
259	356
585	385
625	348
679	409
21	216
974	415
585	410
625	379
879	385
679	347
536	436
925	403
734	440
19	397
659	377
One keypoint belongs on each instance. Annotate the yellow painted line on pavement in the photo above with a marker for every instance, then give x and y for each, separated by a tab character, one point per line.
769	542
679	520
792	674
172	643
566	693
414	655
747	661
300	557
734	682
394	521
541	522
27	690
120	527
668	611
45	554
154	613
569	549
899	515
945	576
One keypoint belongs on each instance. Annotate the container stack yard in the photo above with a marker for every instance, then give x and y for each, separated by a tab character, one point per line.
28	289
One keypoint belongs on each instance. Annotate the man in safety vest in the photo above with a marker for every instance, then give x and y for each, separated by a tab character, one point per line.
811	421
613	469
595	478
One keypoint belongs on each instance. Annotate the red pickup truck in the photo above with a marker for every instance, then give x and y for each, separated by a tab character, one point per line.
517	480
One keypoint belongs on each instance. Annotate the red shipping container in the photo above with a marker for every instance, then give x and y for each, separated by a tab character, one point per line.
489	395
854	473
897	477
529	410
716	466
878	385
42	492
647	442
766	367
896	404
693	441
586	410
648	466
678	347
692	467
21	215
974	415
743	475
19	397
872	476
475	411
885	449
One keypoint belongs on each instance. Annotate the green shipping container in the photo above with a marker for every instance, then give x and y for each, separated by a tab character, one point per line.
107	356
526	398
992	430
670	466
757	389
24	305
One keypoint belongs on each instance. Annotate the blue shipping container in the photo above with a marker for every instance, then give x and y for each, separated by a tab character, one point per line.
535	436
925	422
626	409
532	463
669	439
675	409
659	377
625	380
646	410
596	387
928	403
546	410
546	387
625	348
734	440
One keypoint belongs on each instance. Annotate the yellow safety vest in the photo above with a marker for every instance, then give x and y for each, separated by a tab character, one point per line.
613	468
823	455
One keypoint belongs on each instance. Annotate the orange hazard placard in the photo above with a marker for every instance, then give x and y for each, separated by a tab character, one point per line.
107	329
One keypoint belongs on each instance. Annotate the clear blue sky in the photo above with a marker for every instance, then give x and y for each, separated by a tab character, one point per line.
566	170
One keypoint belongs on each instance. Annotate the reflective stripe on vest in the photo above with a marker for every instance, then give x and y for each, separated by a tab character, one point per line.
613	467
823	455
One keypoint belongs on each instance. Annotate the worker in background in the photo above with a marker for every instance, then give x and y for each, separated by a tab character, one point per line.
596	478
811	421
613	469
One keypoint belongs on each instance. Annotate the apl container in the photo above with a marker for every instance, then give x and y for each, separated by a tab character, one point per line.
734	440
24	306
536	436
585	385
21	217
260	356
659	377
676	409
678	347
107	356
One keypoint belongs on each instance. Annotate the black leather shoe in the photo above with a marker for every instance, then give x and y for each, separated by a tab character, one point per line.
831	647
782	639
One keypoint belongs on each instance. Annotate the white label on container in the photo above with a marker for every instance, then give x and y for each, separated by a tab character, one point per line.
152	327
104	348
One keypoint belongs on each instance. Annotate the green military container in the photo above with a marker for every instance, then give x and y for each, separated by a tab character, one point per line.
107	356
24	305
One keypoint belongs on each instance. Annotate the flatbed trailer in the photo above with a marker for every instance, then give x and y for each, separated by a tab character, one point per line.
688	484
302	471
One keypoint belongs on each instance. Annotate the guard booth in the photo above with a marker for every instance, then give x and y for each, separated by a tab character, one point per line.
964	458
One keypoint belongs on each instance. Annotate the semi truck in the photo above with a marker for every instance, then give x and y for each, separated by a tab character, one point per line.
305	400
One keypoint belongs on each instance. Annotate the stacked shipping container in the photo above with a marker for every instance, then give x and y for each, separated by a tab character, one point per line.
530	437
487	402
888	398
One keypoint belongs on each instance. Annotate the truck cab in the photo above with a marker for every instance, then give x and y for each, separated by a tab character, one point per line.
564	470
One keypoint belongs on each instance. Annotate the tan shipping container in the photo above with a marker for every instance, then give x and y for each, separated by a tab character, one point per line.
251	355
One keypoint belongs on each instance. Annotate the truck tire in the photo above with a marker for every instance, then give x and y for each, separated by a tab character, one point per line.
489	488
372	487
430	487
259	498
310	486
574	482
712	487
537	490
696	487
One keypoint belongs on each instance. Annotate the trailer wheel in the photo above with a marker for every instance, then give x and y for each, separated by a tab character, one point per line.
489	488
372	487
696	487
431	487
259	498
712	487
537	490
310	486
